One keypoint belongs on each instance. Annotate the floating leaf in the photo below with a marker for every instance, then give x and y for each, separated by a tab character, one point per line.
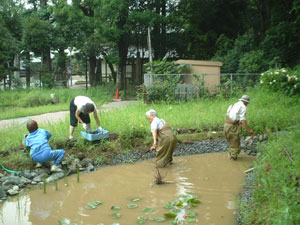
116	215
100	224
192	213
131	206
135	199
174	221
158	219
115	224
170	215
193	201
141	219
175	211
190	219
61	222
179	204
115	207
148	210
93	205
170	205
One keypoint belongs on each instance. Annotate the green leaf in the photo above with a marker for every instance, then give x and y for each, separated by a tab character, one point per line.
115	207
100	224
192	213
190	219
116	215
148	210
115	224
179	204
93	205
131	206
61	222
141	219
174	221
135	199
175	211
158	219
170	215
170	205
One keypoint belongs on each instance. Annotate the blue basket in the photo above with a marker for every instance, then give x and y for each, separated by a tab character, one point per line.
95	135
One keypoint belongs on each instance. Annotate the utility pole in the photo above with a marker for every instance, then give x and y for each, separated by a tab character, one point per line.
150	56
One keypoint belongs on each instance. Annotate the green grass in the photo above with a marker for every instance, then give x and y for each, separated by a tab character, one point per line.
19	103
267	110
276	198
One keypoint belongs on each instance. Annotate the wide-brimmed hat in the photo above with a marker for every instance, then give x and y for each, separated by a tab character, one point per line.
245	98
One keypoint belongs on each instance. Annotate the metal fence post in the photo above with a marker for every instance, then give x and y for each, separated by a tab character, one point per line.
231	83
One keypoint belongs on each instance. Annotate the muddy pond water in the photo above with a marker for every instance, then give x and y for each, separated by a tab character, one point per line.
211	178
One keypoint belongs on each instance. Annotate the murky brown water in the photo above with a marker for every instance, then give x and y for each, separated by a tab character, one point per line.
216	179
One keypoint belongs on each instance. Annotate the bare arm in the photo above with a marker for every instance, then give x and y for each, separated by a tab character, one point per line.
96	117
154	146
77	116
245	125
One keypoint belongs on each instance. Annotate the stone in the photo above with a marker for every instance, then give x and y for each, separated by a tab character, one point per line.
261	138
12	192
15	188
25	180
86	162
33	174
1	175
40	177
2	193
27	174
42	170
33	182
90	168
10	180
54	177
247	139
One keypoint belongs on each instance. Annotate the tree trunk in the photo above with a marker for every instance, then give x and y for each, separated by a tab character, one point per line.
92	67
27	69
99	72
60	72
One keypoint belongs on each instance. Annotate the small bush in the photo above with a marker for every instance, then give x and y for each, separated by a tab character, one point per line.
286	80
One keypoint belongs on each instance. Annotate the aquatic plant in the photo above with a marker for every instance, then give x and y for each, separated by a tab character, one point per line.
93	205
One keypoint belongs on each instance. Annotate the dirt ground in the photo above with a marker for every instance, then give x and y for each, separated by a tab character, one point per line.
58	116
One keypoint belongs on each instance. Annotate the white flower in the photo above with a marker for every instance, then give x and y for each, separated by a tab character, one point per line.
271	83
262	74
261	82
274	81
276	72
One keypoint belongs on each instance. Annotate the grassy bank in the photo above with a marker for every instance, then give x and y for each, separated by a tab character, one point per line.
18	103
276	198
268	110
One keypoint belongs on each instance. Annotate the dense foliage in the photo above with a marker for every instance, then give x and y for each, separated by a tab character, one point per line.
276	192
247	36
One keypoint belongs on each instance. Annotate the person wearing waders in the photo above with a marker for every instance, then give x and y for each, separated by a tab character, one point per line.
40	150
164	140
80	108
236	116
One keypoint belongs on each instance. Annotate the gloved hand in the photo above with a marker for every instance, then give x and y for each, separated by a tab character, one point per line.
101	130
84	126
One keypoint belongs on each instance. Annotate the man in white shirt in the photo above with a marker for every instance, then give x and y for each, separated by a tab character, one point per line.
236	115
80	108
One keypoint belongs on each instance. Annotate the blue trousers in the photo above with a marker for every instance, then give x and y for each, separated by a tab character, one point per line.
49	155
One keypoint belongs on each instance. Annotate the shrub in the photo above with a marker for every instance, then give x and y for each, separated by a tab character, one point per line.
286	80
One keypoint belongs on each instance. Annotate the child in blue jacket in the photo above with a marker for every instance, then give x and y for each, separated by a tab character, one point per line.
40	150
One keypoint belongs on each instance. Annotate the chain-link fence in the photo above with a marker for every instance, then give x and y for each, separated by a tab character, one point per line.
186	86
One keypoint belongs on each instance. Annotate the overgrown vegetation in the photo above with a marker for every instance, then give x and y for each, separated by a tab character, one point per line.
277	184
16	103
268	110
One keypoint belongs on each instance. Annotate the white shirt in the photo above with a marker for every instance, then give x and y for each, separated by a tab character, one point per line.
157	124
237	111
80	102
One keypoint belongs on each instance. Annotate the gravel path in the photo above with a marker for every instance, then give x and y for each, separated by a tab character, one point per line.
58	116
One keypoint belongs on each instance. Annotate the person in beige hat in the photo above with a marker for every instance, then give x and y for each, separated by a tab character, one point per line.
236	116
